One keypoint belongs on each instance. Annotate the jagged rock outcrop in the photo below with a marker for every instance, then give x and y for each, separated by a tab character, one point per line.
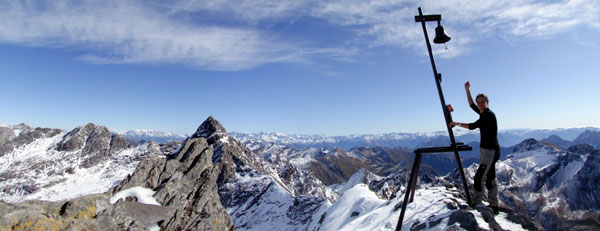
97	143
96	146
211	129
255	194
168	147
75	139
186	182
233	159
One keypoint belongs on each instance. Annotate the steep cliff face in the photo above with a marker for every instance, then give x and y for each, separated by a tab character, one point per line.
185	181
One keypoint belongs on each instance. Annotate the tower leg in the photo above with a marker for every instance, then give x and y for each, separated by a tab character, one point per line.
416	178
409	188
462	176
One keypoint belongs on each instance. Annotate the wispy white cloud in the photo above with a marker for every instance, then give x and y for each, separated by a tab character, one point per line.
249	11
115	31
532	19
391	22
127	32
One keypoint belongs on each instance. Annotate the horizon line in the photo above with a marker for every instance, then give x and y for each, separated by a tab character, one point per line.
115	130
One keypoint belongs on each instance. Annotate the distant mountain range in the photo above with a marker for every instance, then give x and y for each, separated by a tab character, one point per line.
146	135
506	138
273	181
563	137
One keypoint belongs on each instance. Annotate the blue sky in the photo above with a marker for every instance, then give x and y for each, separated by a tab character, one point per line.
303	67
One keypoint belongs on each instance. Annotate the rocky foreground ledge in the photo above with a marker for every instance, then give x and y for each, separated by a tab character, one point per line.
184	184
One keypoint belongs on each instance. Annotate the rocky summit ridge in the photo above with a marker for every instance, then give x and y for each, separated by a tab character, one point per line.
184	184
196	185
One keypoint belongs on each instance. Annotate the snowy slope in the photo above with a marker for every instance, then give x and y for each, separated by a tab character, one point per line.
274	208
40	170
359	208
538	181
434	208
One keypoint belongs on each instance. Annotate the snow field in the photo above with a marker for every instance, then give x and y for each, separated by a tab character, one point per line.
142	195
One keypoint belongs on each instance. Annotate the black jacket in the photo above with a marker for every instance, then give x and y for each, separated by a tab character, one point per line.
488	127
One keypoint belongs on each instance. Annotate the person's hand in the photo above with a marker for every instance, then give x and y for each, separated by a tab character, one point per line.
452	124
467	85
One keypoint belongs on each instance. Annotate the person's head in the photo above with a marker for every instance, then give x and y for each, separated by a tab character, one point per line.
482	102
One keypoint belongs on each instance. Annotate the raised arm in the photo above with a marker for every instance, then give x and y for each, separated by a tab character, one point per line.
469	97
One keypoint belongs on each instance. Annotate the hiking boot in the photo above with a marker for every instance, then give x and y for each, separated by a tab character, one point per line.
495	210
473	204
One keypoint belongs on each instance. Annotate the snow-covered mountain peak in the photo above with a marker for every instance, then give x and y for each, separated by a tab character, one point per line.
145	135
531	156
